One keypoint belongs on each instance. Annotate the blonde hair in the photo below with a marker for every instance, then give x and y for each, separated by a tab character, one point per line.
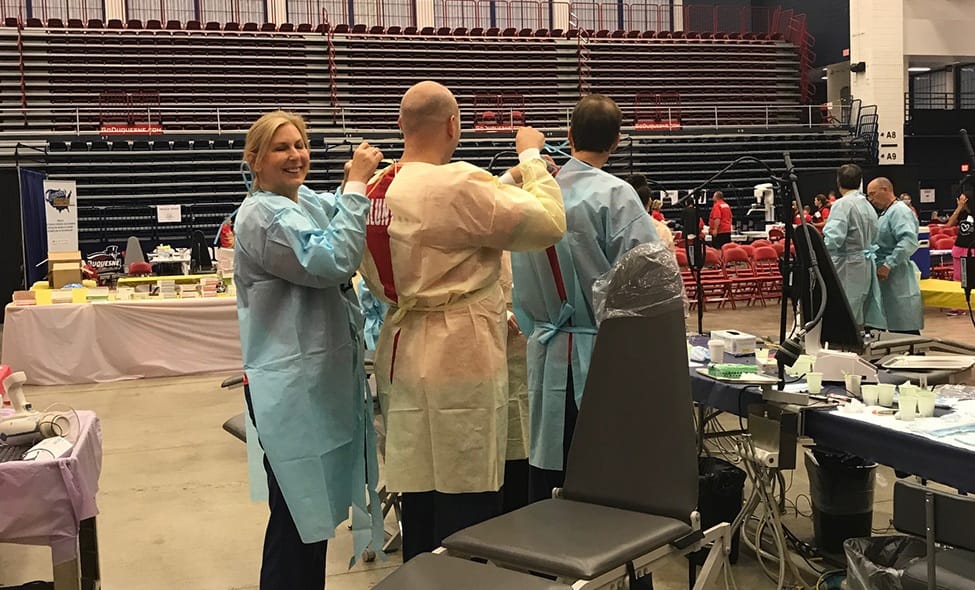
259	136
656	205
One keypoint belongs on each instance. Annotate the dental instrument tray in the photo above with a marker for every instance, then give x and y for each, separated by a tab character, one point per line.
948	362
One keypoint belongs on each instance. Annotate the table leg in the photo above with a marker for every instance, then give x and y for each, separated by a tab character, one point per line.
91	575
67	576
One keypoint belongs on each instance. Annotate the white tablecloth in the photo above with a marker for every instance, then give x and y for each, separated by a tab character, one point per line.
99	342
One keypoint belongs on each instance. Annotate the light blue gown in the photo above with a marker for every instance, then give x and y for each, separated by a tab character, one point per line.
850	235
604	219
901	291
374	311
301	338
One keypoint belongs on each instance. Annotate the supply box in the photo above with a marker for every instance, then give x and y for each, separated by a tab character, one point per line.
735	343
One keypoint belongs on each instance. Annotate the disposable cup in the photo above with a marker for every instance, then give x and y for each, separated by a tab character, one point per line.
907	407
925	403
814	382
853	384
870	394
761	355
716	349
886	394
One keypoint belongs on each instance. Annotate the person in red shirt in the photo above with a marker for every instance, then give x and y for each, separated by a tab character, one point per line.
832	196
822	212
655	210
720	221
805	215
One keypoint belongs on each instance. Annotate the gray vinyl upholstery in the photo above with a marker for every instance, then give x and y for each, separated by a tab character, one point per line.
635	445
236	427
440	572
566	538
953	514
956	571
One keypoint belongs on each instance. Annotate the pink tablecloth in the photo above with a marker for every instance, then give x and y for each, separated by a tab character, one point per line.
43	503
100	342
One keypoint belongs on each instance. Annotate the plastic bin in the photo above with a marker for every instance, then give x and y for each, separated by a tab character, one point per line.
841	488
721	490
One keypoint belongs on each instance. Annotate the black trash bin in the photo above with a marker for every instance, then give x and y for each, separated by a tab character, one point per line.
720	496
841	487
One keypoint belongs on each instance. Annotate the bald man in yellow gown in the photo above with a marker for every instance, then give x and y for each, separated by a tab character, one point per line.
435	235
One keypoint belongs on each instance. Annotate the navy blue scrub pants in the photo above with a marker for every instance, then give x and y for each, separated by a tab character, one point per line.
288	564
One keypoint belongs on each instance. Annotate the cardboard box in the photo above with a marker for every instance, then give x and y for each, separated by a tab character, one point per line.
24	298
68	256
63	273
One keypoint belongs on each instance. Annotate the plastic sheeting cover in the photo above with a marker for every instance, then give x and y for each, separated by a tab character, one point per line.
644	279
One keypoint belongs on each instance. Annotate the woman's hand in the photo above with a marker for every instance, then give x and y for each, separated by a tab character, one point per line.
363	164
962	203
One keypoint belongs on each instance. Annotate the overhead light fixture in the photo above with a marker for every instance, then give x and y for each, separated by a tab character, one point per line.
918	69
824	78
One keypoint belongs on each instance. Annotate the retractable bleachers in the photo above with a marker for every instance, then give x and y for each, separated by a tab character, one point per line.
738	77
120	186
194	72
375	70
348	83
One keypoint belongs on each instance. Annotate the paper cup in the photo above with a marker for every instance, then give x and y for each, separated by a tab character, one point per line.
853	384
761	355
716	349
907	407
886	394
925	403
870	394
814	382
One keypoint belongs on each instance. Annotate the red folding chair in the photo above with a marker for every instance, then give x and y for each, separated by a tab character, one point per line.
738	269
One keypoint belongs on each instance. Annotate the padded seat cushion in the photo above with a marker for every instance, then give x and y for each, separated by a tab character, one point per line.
440	572
566	538
956	571
236	427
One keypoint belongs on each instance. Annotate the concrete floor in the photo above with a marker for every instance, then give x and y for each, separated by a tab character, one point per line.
173	494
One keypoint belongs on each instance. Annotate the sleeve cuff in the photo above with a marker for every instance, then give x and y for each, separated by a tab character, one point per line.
507	178
529	154
355	188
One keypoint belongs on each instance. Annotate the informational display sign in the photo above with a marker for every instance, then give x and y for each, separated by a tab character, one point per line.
927	195
61	211
169	213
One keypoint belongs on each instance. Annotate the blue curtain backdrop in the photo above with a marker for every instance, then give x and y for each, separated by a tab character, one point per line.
35	224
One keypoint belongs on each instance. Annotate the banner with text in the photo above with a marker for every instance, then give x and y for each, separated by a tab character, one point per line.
61	209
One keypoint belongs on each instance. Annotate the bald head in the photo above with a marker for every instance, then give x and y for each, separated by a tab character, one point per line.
880	191
426	107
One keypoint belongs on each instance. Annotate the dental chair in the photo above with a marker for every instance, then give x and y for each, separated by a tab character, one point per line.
631	482
939	517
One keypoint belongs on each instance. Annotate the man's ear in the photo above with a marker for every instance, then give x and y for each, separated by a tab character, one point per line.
452	126
572	143
616	144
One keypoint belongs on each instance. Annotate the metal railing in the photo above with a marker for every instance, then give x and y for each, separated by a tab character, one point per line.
91	121
938	101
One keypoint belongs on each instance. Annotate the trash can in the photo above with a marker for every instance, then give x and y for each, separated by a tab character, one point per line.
922	256
841	488
721	489
878	563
